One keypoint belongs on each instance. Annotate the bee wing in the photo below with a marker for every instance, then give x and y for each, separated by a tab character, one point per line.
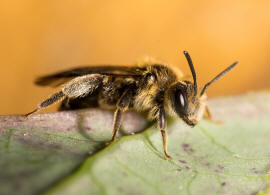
59	78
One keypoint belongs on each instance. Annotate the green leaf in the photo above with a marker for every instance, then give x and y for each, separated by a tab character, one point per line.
37	152
48	153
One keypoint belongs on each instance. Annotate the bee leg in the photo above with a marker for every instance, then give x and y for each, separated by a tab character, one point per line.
162	126
65	104
116	124
208	116
122	106
55	97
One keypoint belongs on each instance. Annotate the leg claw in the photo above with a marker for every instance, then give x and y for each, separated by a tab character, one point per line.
168	157
109	142
219	122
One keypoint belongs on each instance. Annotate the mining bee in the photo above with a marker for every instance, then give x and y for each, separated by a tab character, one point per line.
150	88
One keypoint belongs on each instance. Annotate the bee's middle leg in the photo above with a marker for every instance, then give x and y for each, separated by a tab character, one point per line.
122	106
116	123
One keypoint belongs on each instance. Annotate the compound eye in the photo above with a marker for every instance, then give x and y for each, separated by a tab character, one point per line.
151	77
181	102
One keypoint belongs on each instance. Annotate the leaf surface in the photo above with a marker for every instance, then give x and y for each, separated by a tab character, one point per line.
64	153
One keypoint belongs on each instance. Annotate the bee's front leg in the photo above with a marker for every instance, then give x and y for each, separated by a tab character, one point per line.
162	127
208	116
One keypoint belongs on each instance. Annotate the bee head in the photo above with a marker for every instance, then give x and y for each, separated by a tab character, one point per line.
186	103
185	100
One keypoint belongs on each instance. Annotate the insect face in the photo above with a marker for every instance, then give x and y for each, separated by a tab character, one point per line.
185	102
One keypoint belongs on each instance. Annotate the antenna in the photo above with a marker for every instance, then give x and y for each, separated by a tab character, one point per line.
192	71
218	76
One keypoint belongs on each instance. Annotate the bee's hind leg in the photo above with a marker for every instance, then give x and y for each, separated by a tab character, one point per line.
54	98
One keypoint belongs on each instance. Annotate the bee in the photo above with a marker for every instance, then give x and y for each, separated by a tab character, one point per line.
150	88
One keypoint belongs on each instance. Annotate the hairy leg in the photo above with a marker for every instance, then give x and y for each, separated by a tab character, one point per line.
76	88
208	116
54	98
162	126
122	106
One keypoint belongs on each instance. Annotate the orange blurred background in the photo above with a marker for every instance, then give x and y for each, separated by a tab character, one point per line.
41	37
